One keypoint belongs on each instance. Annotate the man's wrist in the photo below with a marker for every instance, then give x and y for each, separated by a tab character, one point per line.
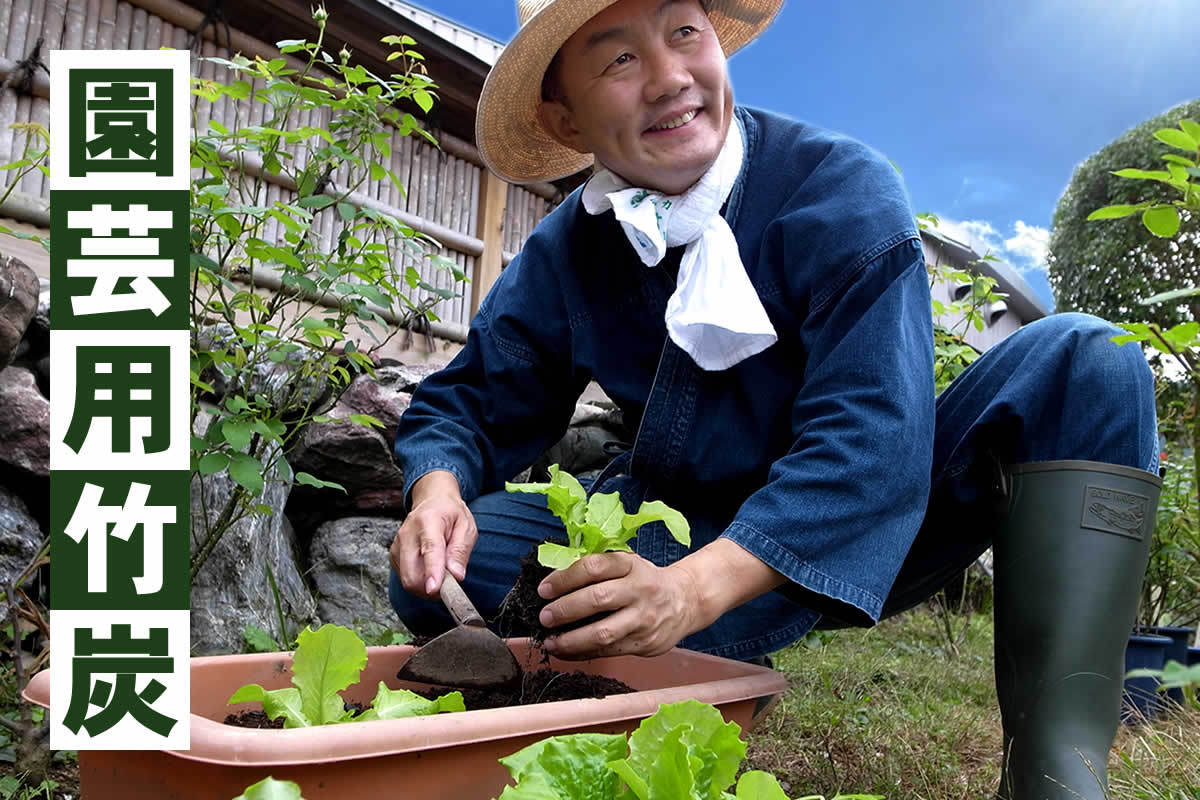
721	576
435	482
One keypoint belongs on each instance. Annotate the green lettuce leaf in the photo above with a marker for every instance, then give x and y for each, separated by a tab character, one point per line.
271	789
597	524
759	785
276	703
326	661
555	556
565	497
714	749
570	767
400	703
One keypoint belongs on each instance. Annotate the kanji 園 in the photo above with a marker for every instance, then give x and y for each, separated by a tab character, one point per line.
93	520
120	121
107	259
129	386
124	658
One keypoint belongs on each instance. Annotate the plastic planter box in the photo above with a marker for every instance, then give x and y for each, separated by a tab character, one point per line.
450	756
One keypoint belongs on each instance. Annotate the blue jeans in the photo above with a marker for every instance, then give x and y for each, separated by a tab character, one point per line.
1058	388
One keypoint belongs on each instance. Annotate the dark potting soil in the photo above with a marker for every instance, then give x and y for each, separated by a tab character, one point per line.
519	613
543	686
258	719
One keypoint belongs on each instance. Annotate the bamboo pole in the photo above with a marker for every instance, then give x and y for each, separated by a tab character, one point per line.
91	23
6	15
154	32
53	22
106	29
123	27
137	29
31	183
76	18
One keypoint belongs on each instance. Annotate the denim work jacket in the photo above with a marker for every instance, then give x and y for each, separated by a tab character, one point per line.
813	455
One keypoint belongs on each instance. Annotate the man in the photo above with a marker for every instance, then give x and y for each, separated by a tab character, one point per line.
752	292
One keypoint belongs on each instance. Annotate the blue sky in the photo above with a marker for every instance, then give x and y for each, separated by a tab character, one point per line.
986	106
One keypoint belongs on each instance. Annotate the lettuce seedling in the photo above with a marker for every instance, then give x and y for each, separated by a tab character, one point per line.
686	751
270	789
598	524
327	661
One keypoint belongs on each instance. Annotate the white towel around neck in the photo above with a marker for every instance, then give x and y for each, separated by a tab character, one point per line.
715	314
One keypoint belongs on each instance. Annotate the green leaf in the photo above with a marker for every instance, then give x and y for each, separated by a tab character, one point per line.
247	471
570	767
1183	335
658	511
1171	158
759	785
276	703
400	703
258	640
1162	221
1116	212
213	463
606	512
714	748
367	420
423	99
270	789
326	661
534	787
556	556
317	201
565	496
237	433
1191	128
308	480
1176	138
346	211
1144	175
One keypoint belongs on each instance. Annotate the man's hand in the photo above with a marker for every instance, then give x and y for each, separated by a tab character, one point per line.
652	608
439	533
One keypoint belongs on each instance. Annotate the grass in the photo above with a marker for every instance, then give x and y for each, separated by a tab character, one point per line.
885	711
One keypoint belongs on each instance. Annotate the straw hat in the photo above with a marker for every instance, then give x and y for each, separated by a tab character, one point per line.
512	141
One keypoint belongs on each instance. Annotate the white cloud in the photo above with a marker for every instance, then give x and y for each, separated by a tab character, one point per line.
1030	244
1025	249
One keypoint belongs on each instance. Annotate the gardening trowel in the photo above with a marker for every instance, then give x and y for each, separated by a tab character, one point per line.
466	655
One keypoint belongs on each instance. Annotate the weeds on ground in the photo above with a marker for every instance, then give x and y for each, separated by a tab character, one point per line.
884	711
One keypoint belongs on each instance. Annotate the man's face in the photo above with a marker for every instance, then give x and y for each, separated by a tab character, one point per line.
646	91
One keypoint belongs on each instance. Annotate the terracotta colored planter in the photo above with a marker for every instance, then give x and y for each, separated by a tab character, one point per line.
448	757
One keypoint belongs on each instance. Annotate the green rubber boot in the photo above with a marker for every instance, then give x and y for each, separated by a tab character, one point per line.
1069	561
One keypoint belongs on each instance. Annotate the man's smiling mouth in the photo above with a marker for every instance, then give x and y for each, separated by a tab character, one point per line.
683	119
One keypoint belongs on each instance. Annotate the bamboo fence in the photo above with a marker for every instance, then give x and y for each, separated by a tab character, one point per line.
441	194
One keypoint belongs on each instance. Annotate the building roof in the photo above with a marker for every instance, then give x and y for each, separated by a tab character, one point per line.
484	48
1021	297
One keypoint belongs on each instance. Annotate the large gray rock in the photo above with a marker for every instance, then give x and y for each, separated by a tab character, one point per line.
232	589
24	423
359	457
20	538
349	568
19	290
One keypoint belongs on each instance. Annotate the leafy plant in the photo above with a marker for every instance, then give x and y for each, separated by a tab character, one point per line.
270	789
242	338
1173	577
598	524
685	751
1174	676
14	788
327	661
951	352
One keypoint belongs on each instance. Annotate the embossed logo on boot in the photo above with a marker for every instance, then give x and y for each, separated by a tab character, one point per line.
1114	511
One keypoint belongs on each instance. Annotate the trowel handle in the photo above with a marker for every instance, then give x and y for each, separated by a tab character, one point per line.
458	604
